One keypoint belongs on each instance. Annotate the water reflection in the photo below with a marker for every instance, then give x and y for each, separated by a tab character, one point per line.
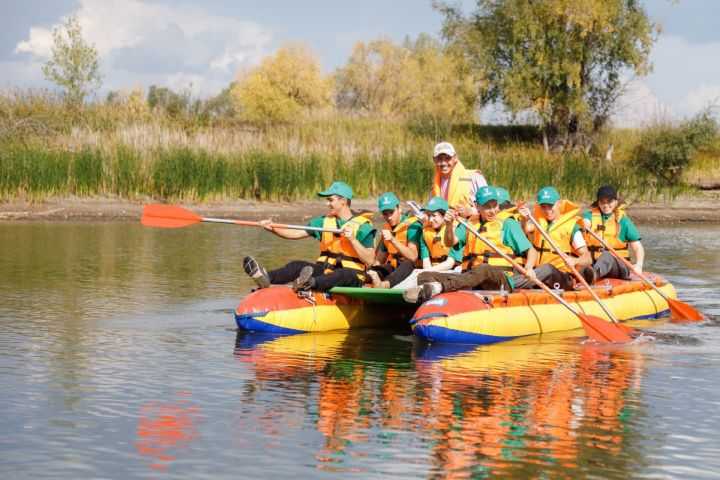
166	430
515	409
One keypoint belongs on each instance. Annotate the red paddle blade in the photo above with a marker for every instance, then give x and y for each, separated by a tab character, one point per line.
683	313
603	331
626	328
168	216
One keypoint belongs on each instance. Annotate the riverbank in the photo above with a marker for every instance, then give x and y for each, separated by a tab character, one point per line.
701	208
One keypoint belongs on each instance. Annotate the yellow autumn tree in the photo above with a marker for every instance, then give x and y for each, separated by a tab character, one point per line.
413	80
283	86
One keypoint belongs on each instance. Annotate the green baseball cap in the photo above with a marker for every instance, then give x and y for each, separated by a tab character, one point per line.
387	201
485	194
435	204
503	195
548	195
338	188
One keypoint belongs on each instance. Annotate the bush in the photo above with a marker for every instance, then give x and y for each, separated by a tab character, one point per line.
664	151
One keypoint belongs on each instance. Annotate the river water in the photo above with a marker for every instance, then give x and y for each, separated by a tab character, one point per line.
119	358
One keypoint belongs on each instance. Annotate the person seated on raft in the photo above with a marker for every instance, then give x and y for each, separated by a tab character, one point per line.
607	218
507	208
482	267
559	218
343	257
398	252
436	255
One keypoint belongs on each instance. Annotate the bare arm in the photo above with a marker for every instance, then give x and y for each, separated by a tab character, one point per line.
442	266
365	254
283	232
639	253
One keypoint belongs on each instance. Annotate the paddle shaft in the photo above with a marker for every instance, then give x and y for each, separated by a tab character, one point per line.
623	260
572	269
517	266
248	223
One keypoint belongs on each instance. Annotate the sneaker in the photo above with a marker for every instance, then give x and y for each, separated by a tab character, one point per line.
589	275
422	293
305	280
256	272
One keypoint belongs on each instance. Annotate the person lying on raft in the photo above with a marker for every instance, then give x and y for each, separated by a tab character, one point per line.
343	257
398	252
482	268
559	218
435	253
608	220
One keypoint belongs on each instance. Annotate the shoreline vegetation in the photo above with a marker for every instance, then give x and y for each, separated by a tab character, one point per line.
124	152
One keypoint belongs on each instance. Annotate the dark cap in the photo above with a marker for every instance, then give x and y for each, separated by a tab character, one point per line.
607	192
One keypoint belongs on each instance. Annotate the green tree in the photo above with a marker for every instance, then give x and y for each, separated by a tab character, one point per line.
75	65
282	86
415	80
564	61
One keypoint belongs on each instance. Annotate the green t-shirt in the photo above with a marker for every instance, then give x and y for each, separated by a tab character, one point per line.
414	233
628	231
455	252
365	234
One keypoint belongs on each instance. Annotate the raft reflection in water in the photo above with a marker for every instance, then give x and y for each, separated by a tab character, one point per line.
520	408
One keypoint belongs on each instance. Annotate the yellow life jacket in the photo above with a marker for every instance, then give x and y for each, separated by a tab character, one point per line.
336	251
435	241
608	231
511	212
400	232
459	185
561	233
478	252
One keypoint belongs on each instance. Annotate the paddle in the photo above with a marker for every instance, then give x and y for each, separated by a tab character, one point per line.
595	327
574	271
681	312
170	216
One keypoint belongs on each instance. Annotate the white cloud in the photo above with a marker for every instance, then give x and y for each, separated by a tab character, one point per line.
160	44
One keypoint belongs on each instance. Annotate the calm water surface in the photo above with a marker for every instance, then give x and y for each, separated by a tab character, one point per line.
119	358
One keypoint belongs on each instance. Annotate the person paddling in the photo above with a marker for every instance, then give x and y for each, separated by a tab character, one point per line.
343	257
607	218
482	268
453	182
559	218
399	247
436	254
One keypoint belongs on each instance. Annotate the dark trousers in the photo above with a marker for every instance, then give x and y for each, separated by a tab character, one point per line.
482	277
548	274
607	266
394	275
341	277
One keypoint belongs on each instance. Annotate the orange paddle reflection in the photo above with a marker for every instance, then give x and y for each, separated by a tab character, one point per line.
163	430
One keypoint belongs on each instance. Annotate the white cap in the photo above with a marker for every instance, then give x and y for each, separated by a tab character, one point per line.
444	147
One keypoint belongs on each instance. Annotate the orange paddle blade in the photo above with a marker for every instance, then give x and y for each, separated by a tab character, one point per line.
683	313
602	331
168	216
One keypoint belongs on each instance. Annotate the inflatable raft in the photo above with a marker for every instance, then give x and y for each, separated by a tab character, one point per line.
279	310
489	317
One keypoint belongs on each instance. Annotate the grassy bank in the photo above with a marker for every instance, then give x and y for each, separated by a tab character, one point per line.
34	171
110	150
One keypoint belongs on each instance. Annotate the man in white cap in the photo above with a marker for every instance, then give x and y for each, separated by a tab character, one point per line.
453	182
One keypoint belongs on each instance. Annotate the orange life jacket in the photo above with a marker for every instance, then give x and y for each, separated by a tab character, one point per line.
336	251
608	231
560	232
511	212
400	232
435	241
478	252
460	182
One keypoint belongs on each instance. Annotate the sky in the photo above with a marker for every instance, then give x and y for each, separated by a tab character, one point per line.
198	46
